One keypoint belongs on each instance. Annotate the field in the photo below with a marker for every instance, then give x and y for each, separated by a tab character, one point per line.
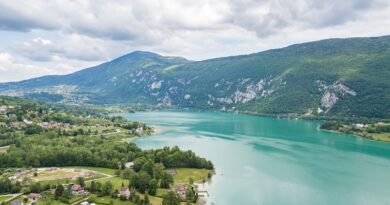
116	181
3	198
183	175
382	137
97	169
109	200
61	175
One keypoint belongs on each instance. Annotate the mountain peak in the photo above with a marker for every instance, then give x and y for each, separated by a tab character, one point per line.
143	53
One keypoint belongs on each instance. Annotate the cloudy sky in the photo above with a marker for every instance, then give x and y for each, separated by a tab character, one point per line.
41	37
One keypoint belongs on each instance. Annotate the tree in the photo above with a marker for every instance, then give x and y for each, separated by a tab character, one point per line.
92	187
5	185
59	191
190	195
146	199
107	188
191	181
170	198
35	188
81	181
126	173
152	186
166	180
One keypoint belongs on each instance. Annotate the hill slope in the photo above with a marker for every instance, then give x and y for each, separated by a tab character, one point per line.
345	77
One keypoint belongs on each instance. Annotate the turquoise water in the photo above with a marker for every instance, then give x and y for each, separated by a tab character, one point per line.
262	160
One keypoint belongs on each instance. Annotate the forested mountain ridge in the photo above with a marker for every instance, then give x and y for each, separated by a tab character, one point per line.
334	77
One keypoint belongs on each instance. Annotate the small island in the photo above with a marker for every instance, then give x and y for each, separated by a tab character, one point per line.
62	155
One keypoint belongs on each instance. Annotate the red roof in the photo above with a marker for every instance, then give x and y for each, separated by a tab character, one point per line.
181	187
34	195
77	187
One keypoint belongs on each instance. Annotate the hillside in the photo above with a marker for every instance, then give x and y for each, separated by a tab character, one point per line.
335	77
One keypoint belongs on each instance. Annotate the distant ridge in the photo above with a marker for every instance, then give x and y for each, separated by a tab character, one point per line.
333	77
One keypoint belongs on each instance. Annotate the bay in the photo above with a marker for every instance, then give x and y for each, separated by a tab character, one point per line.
262	160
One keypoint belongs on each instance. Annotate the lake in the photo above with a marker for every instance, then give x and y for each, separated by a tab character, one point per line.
262	160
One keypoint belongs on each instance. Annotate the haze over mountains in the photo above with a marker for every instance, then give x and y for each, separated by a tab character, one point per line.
338	77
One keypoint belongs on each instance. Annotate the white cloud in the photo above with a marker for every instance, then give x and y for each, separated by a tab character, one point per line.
83	32
12	70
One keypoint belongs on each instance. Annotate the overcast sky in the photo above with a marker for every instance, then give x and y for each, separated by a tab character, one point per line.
40	37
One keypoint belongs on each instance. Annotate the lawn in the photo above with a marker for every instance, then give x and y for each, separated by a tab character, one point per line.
47	200
382	137
98	169
108	200
65	175
3	198
50	201
116	182
153	199
183	175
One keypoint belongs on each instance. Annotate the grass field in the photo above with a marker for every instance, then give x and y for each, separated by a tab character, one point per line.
108	200
3	198
51	201
116	181
183	175
98	169
382	137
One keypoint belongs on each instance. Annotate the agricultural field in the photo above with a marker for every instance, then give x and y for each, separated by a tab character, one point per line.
4	198
183	175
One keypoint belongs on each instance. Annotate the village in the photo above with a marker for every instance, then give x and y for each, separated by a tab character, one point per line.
77	185
52	140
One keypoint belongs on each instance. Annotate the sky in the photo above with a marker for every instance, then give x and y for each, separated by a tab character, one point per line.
40	37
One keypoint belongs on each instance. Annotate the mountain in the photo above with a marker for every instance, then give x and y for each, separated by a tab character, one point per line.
334	77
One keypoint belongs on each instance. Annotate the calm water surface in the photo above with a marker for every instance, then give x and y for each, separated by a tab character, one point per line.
262	160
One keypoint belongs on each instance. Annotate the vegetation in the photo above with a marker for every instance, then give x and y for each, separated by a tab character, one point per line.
290	79
37	135
376	131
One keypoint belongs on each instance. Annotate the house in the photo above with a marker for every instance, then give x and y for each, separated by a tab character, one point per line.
86	203
117	130
124	192
200	189
27	122
77	189
359	125
181	190
34	197
3	108
140	129
16	202
129	165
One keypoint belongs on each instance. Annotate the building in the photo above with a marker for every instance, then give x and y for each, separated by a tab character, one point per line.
77	189
27	122
181	190
359	125
200	189
124	192
86	203
34	197
129	165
